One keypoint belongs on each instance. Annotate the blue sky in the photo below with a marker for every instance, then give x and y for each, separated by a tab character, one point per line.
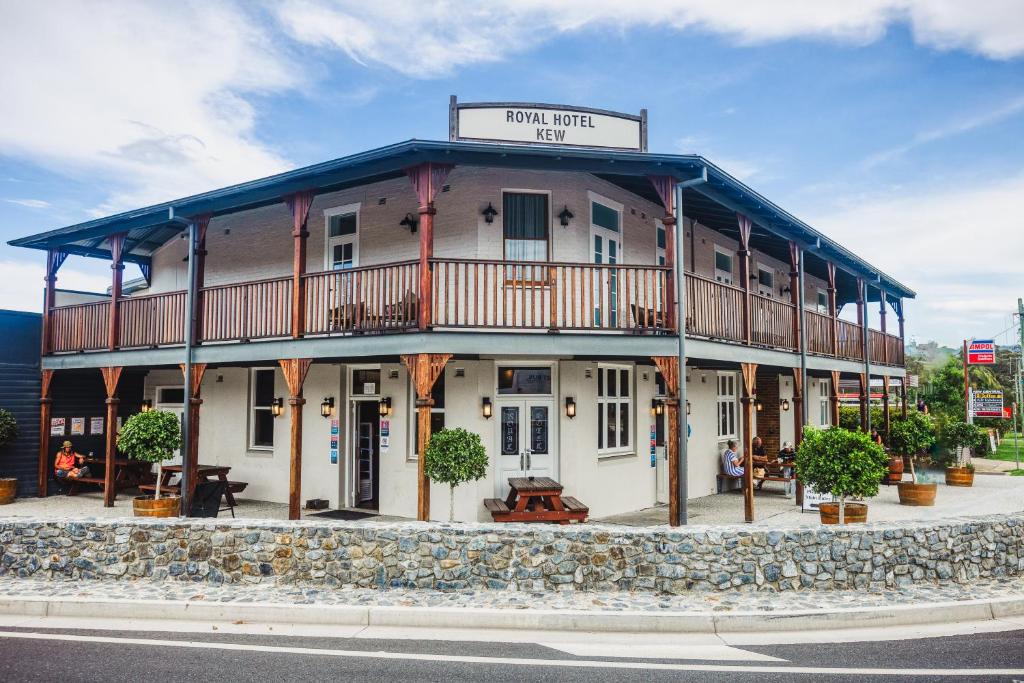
894	126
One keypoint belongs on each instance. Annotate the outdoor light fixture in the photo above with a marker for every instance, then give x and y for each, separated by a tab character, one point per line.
327	406
489	213
570	407
565	216
277	407
409	222
384	407
687	407
147	405
758	405
657	407
485	408
785	405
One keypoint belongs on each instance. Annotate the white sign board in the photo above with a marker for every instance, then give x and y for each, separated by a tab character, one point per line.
547	124
987	402
812	499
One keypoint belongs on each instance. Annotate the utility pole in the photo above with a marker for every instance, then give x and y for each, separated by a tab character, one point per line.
1020	386
1016	412
967	389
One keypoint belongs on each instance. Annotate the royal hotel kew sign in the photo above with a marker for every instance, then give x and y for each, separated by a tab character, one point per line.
547	124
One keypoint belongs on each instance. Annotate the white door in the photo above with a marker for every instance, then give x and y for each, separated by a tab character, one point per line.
170	399
606	247
527	442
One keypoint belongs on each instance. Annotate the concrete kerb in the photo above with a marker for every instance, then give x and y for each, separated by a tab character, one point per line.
530	619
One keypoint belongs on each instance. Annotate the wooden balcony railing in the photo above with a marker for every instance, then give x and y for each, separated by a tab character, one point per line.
80	327
466	293
564	296
248	310
154	320
368	299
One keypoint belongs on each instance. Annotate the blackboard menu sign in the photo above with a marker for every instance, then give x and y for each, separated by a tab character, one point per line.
539	429
509	430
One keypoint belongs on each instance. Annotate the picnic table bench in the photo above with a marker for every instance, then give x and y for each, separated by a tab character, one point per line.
206	473
536	499
128	473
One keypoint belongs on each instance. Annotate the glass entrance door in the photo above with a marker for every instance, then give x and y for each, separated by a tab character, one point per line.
526	441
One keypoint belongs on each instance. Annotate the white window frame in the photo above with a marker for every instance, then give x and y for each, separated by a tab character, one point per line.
823	309
603	451
764	268
345	209
413	422
727	402
498	364
659	252
551	218
252	446
824	407
721	275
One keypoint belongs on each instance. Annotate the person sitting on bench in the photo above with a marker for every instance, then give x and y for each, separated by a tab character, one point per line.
69	464
787	458
759	455
732	462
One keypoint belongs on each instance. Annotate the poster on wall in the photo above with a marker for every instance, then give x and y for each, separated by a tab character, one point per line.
335	427
77	426
334	456
813	499
95	425
57	426
654	445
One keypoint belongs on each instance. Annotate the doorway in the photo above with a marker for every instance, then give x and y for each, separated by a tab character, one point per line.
527	444
366	454
172	400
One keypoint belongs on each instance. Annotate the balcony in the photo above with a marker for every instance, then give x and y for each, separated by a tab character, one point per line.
469	294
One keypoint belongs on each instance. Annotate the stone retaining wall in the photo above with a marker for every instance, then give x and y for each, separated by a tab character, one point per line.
515	556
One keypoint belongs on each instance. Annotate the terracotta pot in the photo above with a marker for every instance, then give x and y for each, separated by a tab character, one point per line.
8	489
147	506
895	469
959	476
917	494
854	513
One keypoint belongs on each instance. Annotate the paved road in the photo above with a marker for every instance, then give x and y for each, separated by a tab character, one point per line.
43	654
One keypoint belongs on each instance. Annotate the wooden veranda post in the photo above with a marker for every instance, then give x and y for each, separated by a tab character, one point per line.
834	398
192	447
798	422
665	187
668	366
111	376
744	255
54	259
865	399
295	370
749	374
427	179
424	368
903	382
881	325
202	223
885	407
117	276
833	309
794	288
45	402
298	203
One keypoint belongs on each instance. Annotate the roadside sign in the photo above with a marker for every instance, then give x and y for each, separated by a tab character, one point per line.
981	352
1007	413
913	381
987	402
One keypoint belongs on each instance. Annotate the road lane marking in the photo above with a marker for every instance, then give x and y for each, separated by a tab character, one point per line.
717	653
511	661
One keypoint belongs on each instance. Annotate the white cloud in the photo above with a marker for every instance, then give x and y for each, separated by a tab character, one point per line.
30	203
23	283
956	247
425	40
146	97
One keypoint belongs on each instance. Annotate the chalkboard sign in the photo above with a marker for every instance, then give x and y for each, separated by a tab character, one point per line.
539	429
812	499
509	430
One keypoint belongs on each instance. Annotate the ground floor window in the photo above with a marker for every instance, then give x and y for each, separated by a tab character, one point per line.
514	380
436	414
614	407
727	405
824	407
261	416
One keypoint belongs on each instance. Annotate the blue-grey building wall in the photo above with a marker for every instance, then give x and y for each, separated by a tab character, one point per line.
19	393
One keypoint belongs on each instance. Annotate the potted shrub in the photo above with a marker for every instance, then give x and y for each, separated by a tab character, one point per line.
152	436
455	456
844	463
8	433
910	438
960	438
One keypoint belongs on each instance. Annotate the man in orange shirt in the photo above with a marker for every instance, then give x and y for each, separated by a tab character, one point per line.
68	463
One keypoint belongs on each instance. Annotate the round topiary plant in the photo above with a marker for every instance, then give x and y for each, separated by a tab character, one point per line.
8	427
961	437
151	436
912	435
455	456
841	462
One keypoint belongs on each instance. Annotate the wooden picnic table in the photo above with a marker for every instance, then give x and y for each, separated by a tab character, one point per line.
128	473
205	472
536	499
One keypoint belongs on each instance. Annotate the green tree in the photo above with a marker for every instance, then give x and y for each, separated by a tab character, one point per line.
455	456
912	436
8	427
959	438
151	436
841	462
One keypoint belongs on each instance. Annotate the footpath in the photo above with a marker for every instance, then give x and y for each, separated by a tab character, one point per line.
570	610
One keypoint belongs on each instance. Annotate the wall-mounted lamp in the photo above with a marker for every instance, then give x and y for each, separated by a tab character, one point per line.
489	213
327	406
570	407
565	216
687	407
409	222
785	290
147	405
758	406
485	408
657	407
277	407
384	407
785	405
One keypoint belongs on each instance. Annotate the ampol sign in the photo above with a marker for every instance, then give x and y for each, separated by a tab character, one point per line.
981	352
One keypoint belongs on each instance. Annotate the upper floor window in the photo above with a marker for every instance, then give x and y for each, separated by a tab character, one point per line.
526	226
659	252
822	302
723	265
765	281
342	244
604	216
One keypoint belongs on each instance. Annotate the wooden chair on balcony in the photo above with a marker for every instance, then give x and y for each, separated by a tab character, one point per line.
648	319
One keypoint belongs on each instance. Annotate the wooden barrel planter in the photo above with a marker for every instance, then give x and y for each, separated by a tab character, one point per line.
895	469
854	513
147	506
8	489
917	494
959	476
